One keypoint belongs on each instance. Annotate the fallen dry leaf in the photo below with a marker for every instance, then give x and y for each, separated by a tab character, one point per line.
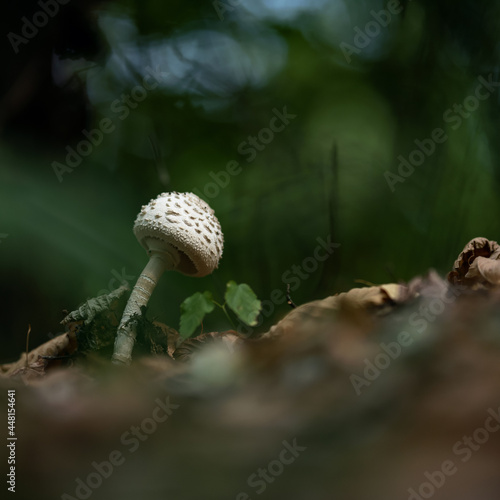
486	270
172	336
310	316
31	371
36	364
477	265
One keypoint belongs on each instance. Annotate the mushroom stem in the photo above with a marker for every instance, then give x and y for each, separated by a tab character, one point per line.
141	293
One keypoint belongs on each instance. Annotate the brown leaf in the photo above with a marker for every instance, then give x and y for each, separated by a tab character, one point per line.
485	269
32	371
63	345
171	336
466	271
312	315
374	296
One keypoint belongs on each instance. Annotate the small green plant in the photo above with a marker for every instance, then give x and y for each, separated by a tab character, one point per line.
239	298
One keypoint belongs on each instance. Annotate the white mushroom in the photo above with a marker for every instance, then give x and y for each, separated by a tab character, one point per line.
180	232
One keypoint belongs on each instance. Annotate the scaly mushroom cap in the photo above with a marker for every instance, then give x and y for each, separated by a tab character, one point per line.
185	226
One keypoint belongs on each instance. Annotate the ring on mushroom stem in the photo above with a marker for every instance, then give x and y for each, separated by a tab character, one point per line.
180	232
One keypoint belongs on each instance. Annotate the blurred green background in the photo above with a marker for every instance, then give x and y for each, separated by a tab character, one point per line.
224	70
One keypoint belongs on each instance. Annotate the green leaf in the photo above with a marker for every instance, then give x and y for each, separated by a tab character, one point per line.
193	310
243	301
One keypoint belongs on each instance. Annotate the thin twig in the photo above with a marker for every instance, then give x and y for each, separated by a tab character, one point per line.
27	344
289	300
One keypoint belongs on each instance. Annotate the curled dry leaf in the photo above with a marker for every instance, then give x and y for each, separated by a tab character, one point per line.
477	265
485	269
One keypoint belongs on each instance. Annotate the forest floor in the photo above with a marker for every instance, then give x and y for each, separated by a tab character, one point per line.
382	392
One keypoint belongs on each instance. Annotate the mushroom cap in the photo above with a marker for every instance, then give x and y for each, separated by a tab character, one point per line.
184	226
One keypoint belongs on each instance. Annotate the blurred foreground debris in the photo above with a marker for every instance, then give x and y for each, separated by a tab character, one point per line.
379	393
